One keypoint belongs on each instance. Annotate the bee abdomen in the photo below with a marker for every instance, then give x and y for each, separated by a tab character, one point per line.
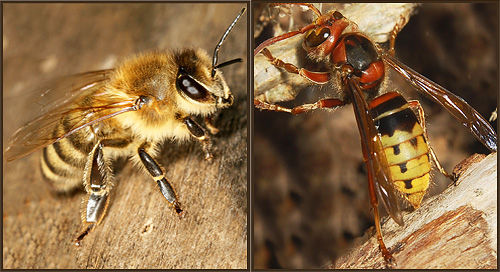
63	174
62	163
404	145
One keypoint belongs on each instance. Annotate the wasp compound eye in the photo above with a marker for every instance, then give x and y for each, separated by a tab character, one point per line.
314	39
191	88
337	15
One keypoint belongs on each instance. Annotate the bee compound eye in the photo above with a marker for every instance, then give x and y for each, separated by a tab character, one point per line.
314	39
191	88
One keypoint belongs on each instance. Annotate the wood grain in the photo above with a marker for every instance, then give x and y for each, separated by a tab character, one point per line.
140	230
454	230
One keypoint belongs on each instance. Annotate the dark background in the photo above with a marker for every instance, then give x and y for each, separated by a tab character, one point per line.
310	182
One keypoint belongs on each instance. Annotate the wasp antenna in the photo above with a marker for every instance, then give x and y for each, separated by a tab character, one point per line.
222	39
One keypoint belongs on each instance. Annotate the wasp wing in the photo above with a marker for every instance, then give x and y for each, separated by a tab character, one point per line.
42	131
379	179
454	104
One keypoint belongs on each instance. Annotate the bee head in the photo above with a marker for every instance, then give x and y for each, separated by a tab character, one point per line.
201	82
195	83
186	81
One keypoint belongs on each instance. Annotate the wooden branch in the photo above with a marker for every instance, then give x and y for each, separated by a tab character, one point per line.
454	230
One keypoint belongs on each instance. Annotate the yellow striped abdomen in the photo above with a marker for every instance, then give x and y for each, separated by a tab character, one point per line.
62	162
404	145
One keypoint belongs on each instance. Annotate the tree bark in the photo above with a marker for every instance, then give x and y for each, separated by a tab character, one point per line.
454	230
140	229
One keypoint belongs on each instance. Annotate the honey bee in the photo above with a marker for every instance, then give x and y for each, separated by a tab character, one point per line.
127	111
392	130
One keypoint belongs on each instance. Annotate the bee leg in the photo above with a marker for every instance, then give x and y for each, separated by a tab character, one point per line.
330	103
158	175
415	104
98	181
209	120
200	134
315	77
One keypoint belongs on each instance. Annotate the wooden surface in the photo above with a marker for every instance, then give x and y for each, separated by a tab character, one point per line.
454	230
140	230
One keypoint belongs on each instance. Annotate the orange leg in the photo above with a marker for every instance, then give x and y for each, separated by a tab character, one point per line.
310	6
285	36
415	104
394	33
329	103
316	77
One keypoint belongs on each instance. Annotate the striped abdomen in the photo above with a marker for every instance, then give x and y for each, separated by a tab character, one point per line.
404	144
63	162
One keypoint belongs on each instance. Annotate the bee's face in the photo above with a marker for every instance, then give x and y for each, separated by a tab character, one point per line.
179	82
195	83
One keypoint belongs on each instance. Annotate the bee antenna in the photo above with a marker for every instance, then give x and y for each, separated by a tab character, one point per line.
222	39
226	63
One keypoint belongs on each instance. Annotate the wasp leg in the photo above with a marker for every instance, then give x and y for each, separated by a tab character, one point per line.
268	106
394	33
493	116
315	77
158	175
285	36
415	104
98	181
309	6
389	259
329	103
200	134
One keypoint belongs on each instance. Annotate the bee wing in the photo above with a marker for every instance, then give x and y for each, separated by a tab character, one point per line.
42	131
454	104
64	90
379	179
